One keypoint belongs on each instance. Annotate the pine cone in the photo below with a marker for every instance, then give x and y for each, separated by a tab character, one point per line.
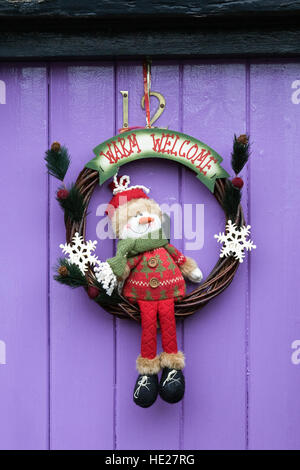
243	139
55	147
63	271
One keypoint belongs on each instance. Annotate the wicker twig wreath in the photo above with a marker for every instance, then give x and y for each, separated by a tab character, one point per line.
78	271
217	281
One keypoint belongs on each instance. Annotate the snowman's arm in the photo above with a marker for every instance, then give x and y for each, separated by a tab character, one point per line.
187	265
191	270
131	263
177	256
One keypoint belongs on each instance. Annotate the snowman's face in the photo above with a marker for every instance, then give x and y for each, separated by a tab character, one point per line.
137	219
139	225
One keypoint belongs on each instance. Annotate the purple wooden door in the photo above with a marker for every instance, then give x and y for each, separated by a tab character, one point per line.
67	368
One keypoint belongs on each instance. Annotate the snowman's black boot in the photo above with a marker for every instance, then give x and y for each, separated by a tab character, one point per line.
145	390
172	383
146	387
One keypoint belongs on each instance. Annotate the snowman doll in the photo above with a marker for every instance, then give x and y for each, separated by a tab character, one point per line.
150	273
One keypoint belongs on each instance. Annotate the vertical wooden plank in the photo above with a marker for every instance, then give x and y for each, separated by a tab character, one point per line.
215	402
158	426
82	349
23	290
274	305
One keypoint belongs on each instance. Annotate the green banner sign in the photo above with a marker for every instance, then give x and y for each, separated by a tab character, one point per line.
157	143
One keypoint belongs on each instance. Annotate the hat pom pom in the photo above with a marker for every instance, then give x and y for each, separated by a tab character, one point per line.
112	185
119	183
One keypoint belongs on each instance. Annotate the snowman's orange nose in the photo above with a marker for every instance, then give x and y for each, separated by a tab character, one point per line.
146	220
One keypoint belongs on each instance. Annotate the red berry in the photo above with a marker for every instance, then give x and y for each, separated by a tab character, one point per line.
63	194
93	292
238	182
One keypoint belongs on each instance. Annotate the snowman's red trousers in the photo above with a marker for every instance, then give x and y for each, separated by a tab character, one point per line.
165	310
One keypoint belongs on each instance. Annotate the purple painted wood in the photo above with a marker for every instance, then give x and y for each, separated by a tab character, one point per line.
274	306
214	339
82	347
70	366
23	288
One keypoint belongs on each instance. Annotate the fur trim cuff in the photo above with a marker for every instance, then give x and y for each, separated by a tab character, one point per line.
147	366
173	361
188	266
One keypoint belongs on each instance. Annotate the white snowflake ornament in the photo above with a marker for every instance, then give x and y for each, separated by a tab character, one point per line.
235	241
80	252
106	277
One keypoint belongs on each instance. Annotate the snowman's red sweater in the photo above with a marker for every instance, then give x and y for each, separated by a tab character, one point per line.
155	275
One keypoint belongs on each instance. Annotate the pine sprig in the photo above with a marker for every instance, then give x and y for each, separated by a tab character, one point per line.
73	205
69	274
103	298
231	201
240	153
57	161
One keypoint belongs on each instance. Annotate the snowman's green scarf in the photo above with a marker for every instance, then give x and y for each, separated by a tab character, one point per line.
134	246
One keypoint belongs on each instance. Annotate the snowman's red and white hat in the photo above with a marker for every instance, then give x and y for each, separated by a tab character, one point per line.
123	193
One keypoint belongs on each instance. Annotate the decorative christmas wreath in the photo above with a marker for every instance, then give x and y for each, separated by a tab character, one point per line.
75	201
